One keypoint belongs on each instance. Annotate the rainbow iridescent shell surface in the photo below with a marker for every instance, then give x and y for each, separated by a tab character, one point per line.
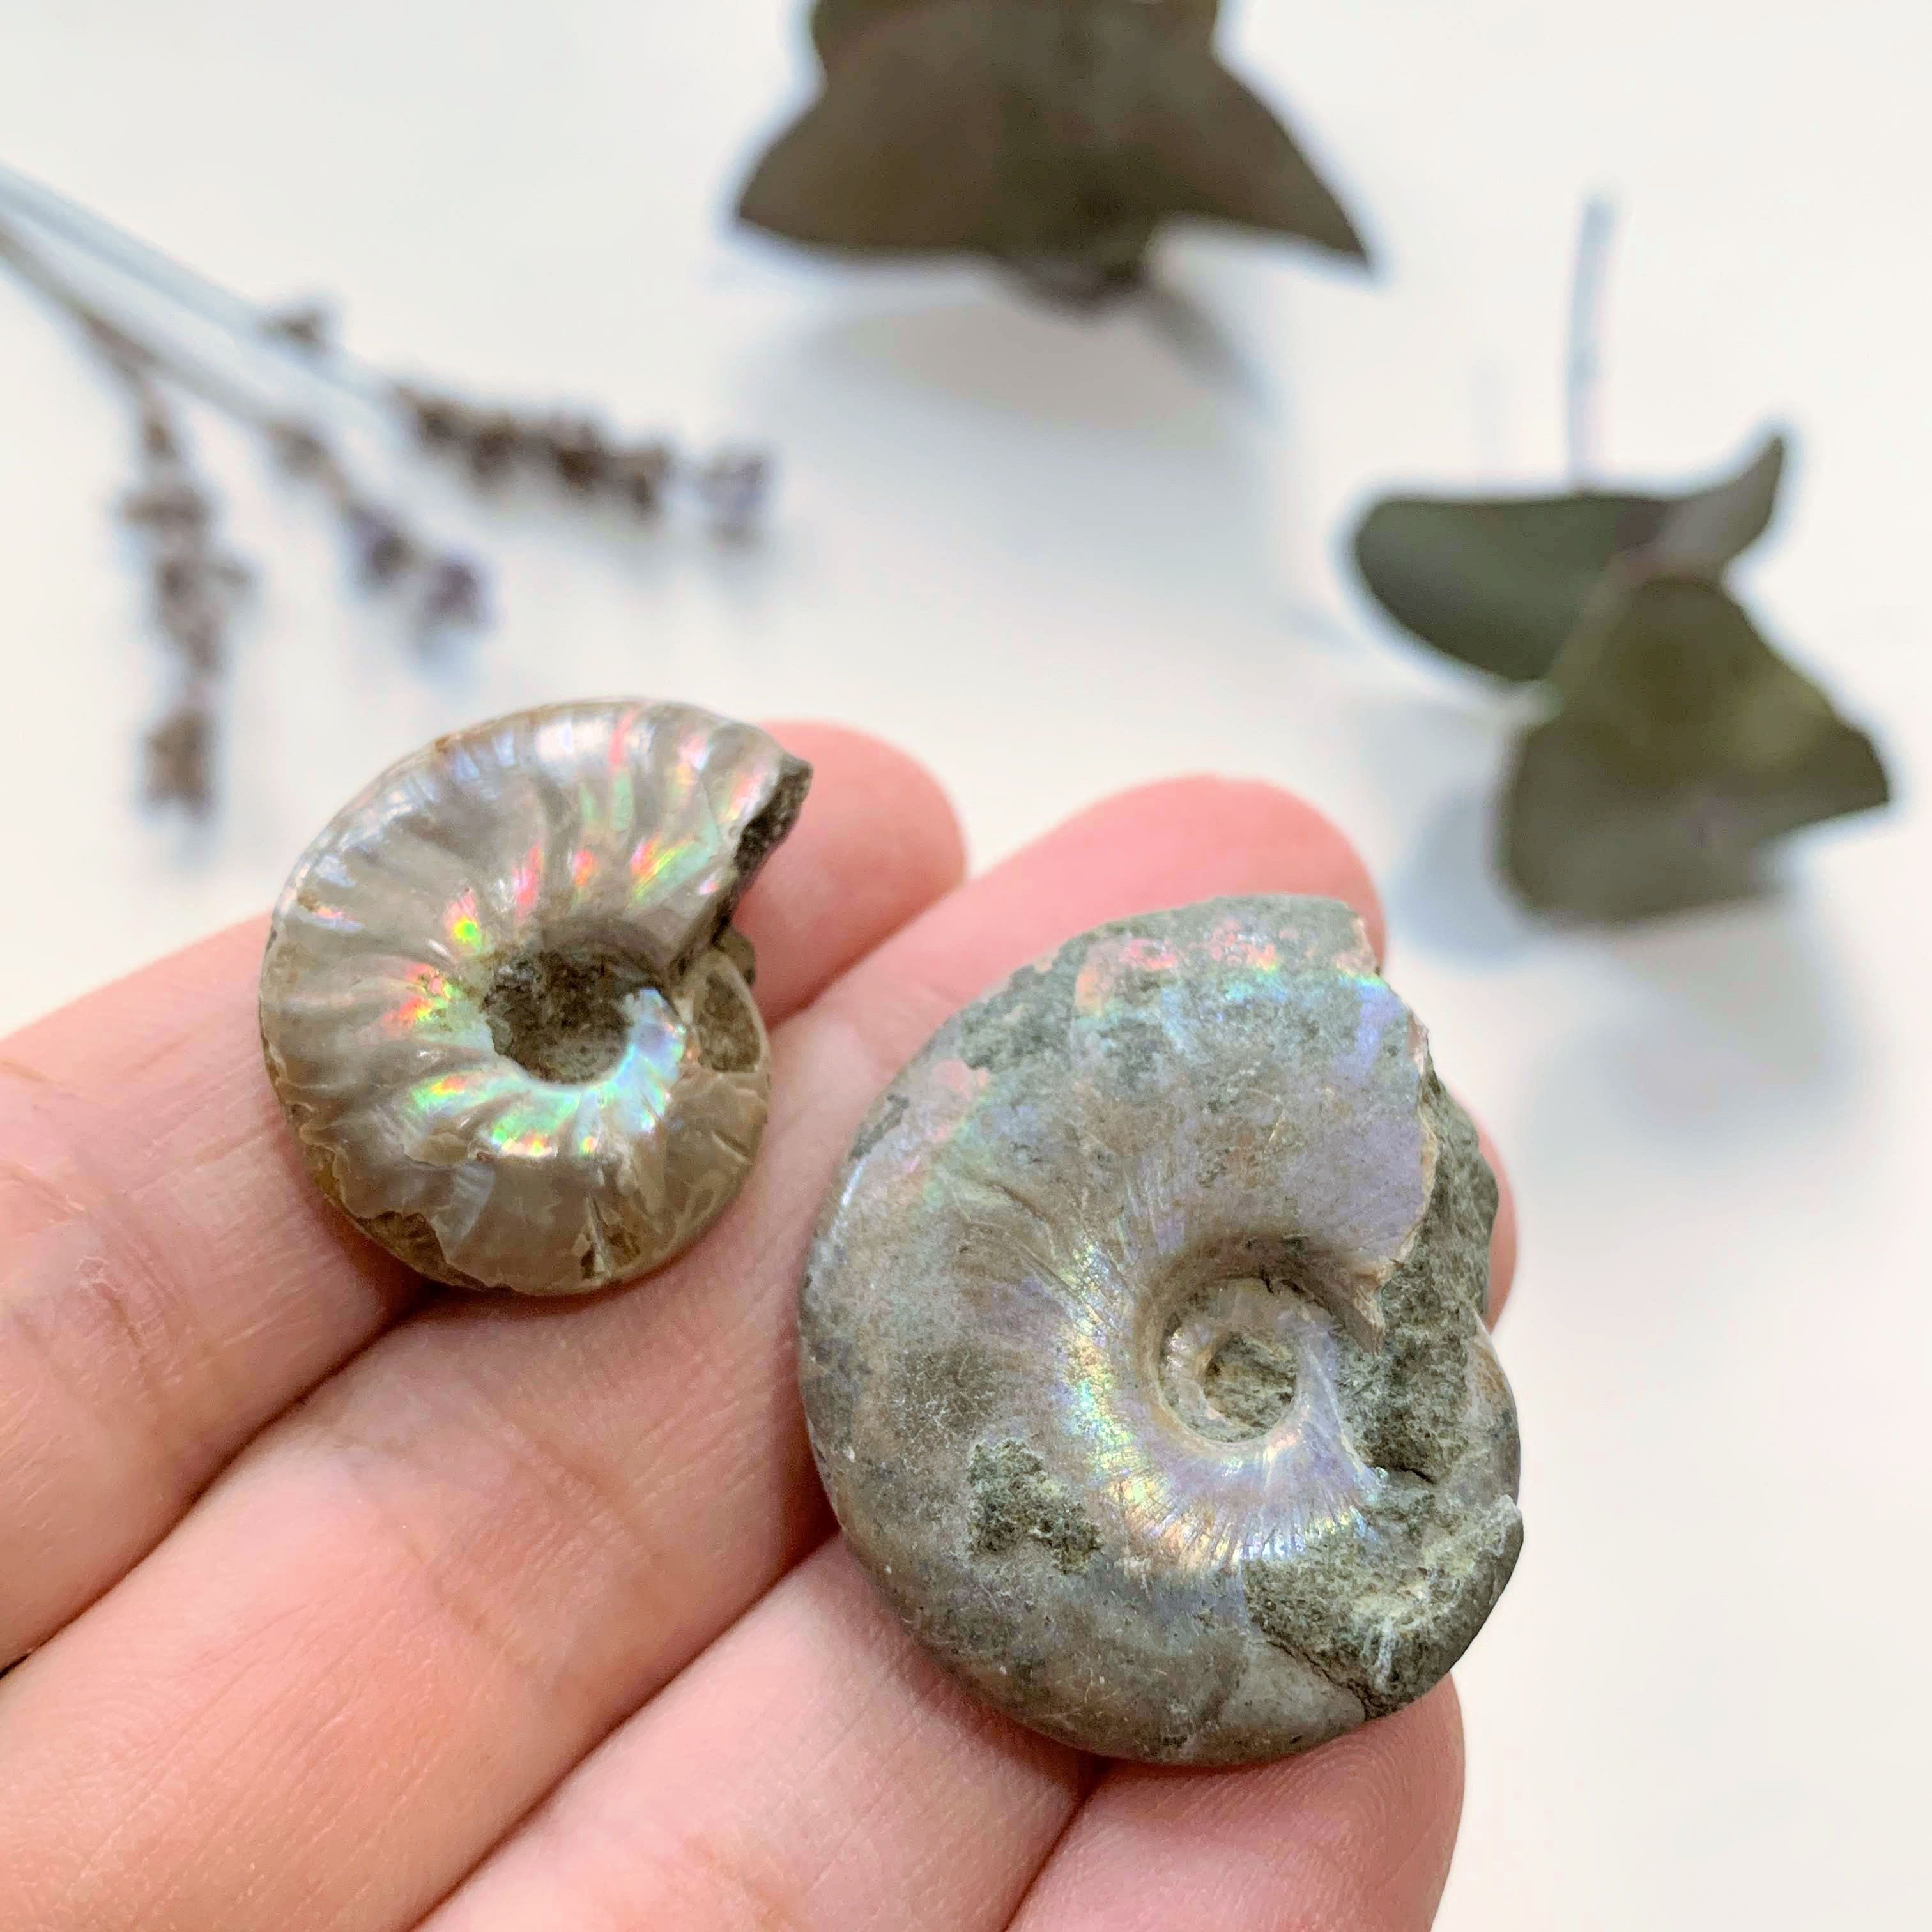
1142	1342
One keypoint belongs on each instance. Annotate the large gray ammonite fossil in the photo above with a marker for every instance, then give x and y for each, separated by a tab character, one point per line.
1142	1342
503	1005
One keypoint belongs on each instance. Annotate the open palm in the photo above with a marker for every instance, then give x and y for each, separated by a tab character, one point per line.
357	1607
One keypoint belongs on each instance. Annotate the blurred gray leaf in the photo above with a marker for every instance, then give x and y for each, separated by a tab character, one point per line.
1501	583
1681	743
1055	138
837	24
1706	531
903	150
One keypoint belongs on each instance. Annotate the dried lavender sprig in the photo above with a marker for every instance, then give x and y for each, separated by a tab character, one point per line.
195	581
736	484
450	590
306	331
178	756
195	584
490	444
731	488
384	552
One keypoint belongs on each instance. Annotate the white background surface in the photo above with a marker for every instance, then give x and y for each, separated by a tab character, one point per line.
1055	557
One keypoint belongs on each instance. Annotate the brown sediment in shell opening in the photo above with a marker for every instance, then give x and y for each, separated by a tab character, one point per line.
563	1009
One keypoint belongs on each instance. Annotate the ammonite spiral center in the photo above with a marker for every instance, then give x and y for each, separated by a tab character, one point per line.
1230	1361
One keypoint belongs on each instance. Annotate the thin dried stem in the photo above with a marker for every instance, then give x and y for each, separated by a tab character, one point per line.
1583	370
35	207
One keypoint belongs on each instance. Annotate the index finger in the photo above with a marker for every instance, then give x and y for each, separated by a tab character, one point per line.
169	1280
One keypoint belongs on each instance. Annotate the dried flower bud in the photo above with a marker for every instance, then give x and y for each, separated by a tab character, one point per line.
311	325
299	450
734	486
176	573
171	503
578	452
199	635
455	593
158	440
180	752
441	422
382	549
133	362
642	475
495	441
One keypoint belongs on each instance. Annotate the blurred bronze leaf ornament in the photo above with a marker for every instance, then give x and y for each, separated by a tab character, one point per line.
1673	743
1055	137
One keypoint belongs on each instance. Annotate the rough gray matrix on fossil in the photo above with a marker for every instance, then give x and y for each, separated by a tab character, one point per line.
1142	1348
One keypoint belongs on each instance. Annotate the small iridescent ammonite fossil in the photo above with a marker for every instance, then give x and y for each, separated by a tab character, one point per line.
503	1005
1142	1342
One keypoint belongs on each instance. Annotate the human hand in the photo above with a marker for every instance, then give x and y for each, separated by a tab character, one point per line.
363	1608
